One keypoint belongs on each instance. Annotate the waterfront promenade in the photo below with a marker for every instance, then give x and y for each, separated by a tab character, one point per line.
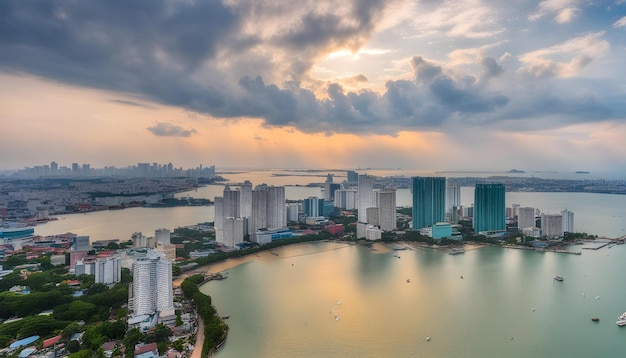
197	348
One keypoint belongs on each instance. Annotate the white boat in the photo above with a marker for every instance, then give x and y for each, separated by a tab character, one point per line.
621	323
558	278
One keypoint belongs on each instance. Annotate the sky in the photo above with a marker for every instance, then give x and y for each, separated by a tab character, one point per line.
428	84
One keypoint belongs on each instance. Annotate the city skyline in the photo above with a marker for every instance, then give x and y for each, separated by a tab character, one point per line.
400	84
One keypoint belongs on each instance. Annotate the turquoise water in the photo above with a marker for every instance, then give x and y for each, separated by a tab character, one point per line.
337	300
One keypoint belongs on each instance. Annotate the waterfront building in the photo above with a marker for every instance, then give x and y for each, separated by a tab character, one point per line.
386	203
246	199
525	218
231	203
373	233
293	210
328	194
453	199
108	270
429	195
568	220
80	243
311	206
151	289
352	177
365	196
268	208
162	236
139	240
372	216
346	199
552	225
233	231
489	208
218	204
441	230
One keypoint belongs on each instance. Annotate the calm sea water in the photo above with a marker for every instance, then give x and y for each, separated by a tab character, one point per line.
336	300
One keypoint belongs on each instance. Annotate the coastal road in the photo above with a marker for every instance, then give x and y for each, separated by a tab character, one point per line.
197	350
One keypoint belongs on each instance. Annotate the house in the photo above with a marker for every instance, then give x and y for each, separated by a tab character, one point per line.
147	351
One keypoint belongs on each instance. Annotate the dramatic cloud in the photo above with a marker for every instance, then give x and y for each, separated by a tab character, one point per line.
164	129
460	65
563	10
620	23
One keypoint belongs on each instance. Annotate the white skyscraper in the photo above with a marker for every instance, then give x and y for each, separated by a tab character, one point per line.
327	187
233	231
268	208
293	210
218	203
162	236
387	209
108	270
276	209
551	225
345	199
525	218
152	285
246	199
568	220
365	195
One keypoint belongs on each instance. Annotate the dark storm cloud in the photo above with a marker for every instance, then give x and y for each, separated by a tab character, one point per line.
201	56
164	129
131	103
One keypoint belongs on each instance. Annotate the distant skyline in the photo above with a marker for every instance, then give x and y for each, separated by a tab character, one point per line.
437	85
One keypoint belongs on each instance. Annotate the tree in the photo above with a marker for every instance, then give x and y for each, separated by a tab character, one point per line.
73	346
176	270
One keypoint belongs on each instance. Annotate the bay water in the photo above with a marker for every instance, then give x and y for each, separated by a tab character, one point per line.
339	300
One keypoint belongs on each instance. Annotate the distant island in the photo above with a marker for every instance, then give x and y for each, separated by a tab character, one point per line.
516	171
582	172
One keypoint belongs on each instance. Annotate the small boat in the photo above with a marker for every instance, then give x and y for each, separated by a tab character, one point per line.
558	278
226	317
427	339
408	280
336	317
595	319
462	276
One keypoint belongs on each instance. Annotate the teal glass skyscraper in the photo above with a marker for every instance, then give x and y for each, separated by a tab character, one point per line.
489	208
429	201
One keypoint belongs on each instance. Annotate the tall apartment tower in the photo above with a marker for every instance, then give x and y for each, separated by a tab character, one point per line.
489	207
568	220
245	205
345	199
453	199
429	200
551	225
268	208
525	218
218	204
365	195
328	185
162	236
352	177
152	285
108	270
386	199
227	208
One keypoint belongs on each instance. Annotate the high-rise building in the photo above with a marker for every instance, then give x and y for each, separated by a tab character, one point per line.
365	195
551	225
352	177
525	218
345	199
108	270
162	236
429	200
568	220
311	206
293	210
386	199
328	195
268	208
246	199
218	204
228	206
453	199
139	240
152	285
80	243
276	209
489	208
